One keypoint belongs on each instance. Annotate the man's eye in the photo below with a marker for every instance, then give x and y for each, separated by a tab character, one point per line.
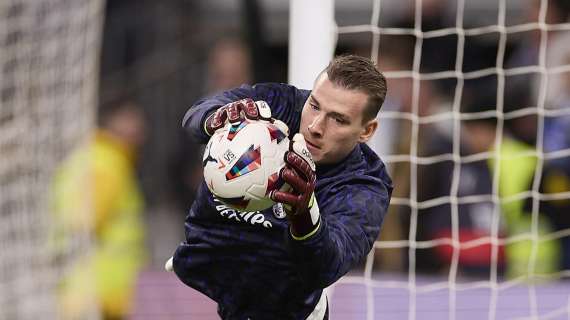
340	120
314	107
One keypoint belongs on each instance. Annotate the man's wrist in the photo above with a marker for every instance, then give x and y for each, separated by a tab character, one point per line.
306	236
306	223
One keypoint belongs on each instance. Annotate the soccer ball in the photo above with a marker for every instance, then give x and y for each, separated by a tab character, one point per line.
242	163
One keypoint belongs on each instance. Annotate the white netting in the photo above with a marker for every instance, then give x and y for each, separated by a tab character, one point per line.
545	77
49	53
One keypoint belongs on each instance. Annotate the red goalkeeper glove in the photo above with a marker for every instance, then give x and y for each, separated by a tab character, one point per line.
300	203
235	112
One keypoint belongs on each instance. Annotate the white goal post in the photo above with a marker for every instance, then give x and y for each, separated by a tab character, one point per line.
312	40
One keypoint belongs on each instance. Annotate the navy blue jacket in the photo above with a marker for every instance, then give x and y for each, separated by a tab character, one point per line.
247	261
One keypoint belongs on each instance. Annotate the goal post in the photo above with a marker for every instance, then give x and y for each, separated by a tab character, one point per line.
312	40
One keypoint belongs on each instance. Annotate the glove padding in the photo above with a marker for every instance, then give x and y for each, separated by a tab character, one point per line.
300	203
236	112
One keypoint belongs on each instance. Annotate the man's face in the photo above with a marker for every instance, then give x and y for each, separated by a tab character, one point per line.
331	121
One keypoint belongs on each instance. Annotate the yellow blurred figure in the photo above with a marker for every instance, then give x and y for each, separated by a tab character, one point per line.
96	192
517	170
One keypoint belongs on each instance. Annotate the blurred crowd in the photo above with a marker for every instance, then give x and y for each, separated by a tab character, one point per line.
507	137
462	150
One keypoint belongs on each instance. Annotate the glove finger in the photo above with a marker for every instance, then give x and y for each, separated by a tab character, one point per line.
294	180
282	126
299	164
234	114
263	109
219	118
250	109
284	197
299	146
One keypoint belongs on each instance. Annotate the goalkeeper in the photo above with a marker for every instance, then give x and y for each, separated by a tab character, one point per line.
333	214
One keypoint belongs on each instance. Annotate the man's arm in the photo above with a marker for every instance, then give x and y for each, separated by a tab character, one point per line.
285	101
350	223
325	246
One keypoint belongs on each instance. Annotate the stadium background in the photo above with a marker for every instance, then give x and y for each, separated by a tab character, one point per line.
160	55
167	54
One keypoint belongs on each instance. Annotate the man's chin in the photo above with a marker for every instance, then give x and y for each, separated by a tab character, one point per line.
317	158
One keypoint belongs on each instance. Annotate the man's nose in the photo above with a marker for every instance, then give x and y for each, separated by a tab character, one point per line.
316	126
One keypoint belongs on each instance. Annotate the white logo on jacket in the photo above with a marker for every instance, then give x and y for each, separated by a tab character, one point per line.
251	217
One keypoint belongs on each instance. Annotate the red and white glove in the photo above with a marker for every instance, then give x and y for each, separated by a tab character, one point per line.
236	112
300	203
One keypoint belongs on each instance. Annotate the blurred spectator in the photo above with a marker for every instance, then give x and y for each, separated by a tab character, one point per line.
435	16
517	170
394	137
556	179
229	66
474	178
556	173
96	195
525	88
557	129
527	51
477	136
557	49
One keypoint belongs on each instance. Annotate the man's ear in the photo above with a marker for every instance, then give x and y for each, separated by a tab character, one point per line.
368	130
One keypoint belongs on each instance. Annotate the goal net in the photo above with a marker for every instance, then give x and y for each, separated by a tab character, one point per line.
476	134
49	53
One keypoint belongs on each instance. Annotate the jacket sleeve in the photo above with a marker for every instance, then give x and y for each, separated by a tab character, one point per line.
285	101
350	223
